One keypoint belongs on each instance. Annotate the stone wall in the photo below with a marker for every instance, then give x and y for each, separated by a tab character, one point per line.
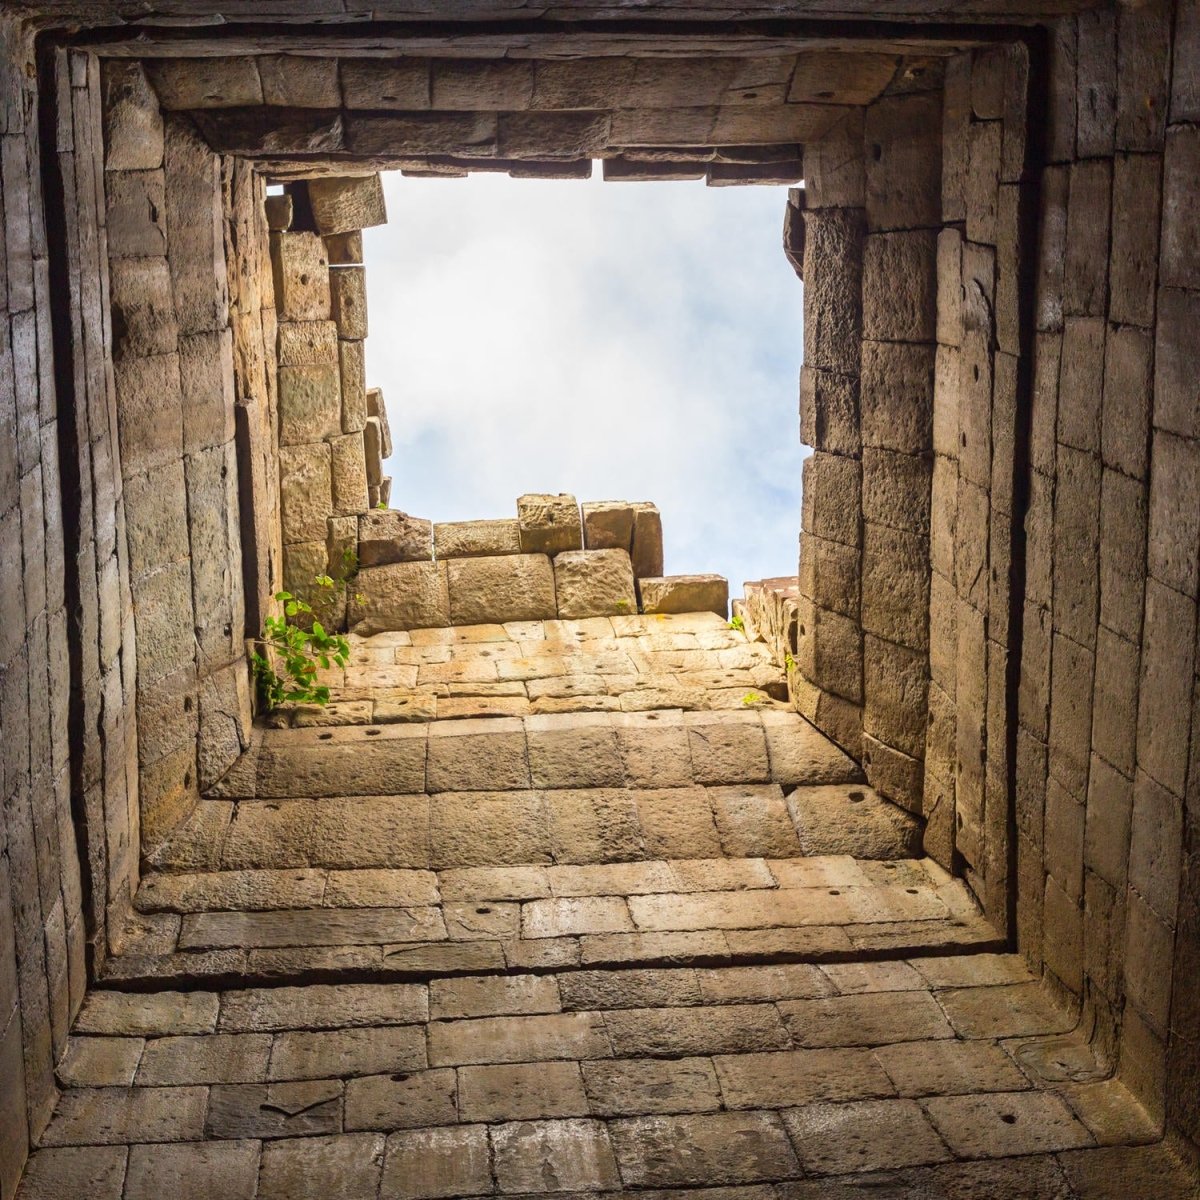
173	362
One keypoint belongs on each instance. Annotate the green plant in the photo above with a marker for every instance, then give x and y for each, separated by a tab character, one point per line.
738	623
286	668
753	698
789	662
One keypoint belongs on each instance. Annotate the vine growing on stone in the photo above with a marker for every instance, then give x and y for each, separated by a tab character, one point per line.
285	670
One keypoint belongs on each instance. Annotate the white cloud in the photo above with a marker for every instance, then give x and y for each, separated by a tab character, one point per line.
617	341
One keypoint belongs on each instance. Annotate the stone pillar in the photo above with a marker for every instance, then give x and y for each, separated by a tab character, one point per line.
827	684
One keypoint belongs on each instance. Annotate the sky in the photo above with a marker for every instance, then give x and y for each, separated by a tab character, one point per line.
616	341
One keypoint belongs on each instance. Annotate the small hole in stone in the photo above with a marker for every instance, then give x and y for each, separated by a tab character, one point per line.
303	280
187	779
401	1077
324	737
652	717
834	892
483	910
889	866
372	733
802	631
962	437
824	95
1008	1118
749	95
911	891
187	704
855	797
975	372
877	152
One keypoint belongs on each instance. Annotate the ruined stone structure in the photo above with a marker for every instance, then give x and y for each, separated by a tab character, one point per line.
890	886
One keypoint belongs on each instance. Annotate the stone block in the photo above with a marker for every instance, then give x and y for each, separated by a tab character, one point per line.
305	491
949	287
143	308
829	411
647	550
1071	675
391	536
608	525
576	1153
342	204
899	286
833	267
439	1161
895	588
895	684
373	449
156	518
896	490
1106	830
133	125
955	124
549	524
1064	840
1125	419
371	83
348	471
1168	653
301	272
476	539
307	343
1123	517
310	404
1176	394
1052	264
345	249
1096	82
830	575
279	212
904	161
594	583
831	498
348	301
1180	263
377	408
208	389
354	386
829	651
834	175
137	213
685	594
1156	846
188	83
1114	705
1133	261
984	146
1076	512
515	587
1174	540
1085	280
412	595
1080	383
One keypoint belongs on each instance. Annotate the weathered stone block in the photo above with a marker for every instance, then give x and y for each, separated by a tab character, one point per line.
904	161
186	83
1180	264
833	166
1155	846
209	393
476	539
348	301
345	249
373	447
594	583
1122	553
956	123
307	343
983	180
346	203
1096	82
895	686
833	266
1080	383
377	408
156	518
1076	509
1070	714
829	411
466	134
831	498
310	404
133	125
1168	652
549	524
372	83
1176	390
896	489
150	414
1085	280
348	471
1174	539
647	550
1133	263
143	309
1125	420
829	651
390	536
685	594
302	563
279	212
608	525
949	287
896	775
162	608
830	574
899	286
354	386
301	271
895	591
515	587
1052	258
1114	705
137	212
411	595
305	491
